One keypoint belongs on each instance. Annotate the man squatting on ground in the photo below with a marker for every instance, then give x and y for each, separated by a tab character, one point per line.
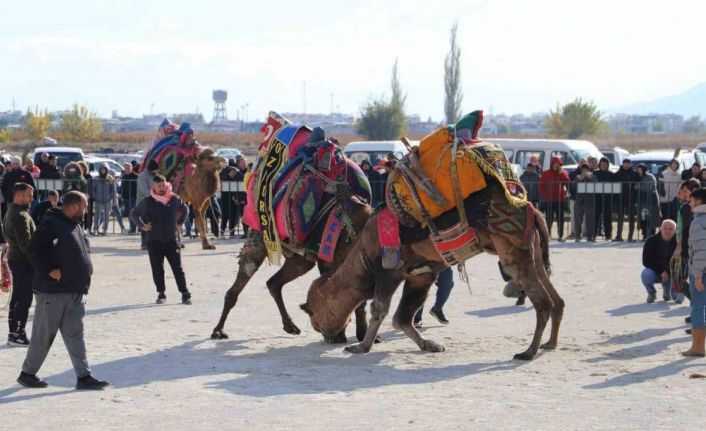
60	254
159	215
18	228
656	254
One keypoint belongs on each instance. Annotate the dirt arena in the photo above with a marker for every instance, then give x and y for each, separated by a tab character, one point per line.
618	365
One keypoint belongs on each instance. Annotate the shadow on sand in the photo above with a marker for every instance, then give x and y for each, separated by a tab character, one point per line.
278	371
499	311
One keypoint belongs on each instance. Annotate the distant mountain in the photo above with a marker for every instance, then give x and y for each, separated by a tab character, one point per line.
689	103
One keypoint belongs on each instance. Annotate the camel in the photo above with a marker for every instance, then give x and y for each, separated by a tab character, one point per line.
331	299
198	187
295	265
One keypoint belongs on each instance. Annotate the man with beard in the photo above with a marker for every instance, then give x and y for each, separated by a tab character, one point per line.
60	254
160	214
18	228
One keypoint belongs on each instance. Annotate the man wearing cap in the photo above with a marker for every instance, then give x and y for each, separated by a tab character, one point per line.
17	174
144	184
628	199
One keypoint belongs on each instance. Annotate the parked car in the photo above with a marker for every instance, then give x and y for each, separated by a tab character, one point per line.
616	155
654	160
520	151
374	151
64	155
95	163
228	153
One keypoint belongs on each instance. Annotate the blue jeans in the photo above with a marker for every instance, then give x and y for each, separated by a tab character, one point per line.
698	304
444	284
650	278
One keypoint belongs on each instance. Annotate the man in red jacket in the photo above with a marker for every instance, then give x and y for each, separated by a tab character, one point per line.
552	191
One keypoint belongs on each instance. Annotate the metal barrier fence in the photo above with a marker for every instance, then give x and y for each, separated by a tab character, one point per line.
605	209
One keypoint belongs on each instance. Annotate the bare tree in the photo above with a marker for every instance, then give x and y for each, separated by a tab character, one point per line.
452	80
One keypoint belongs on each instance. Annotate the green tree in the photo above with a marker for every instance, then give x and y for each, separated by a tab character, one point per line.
381	119
80	125
452	80
37	124
575	119
5	136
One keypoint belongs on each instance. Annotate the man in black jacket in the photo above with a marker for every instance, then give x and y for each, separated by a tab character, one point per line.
50	170
159	214
656	254
60	254
604	199
128	193
16	175
628	199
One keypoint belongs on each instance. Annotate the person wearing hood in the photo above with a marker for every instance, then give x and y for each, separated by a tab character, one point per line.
144	184
103	194
697	278
376	182
18	228
604	200
648	211
160	214
668	188
552	191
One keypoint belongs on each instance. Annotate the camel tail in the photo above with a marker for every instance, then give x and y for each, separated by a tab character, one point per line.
541	225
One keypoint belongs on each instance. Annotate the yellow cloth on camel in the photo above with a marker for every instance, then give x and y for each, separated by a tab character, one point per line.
435	160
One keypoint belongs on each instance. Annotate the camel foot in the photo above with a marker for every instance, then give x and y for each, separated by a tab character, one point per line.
338	339
209	247
693	353
432	346
548	346
357	348
291	328
219	335
524	356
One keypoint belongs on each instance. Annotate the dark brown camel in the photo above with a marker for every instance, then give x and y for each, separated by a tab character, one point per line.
332	299
294	267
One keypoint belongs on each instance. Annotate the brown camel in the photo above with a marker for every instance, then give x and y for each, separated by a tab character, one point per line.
331	299
198	188
295	265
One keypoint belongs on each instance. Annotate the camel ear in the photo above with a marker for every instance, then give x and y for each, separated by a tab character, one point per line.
305	308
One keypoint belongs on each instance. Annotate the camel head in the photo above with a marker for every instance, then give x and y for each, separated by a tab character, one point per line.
209	162
328	314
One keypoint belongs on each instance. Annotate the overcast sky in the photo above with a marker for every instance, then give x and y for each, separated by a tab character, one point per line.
517	56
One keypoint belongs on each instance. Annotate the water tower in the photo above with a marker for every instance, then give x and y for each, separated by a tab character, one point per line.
219	107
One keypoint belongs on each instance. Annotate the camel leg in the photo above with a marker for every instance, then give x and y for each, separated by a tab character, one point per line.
413	296
247	266
558	309
200	221
361	322
293	268
542	302
385	287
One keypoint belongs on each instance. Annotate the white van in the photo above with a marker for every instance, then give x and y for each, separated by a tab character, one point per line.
373	151
655	160
520	151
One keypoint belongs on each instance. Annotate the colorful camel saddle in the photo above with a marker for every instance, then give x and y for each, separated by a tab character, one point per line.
454	175
175	149
297	186
439	178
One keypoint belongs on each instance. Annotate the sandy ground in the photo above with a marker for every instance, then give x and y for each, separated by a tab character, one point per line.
618	365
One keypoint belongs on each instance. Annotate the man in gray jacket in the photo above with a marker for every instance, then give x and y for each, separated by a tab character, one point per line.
103	193
144	187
